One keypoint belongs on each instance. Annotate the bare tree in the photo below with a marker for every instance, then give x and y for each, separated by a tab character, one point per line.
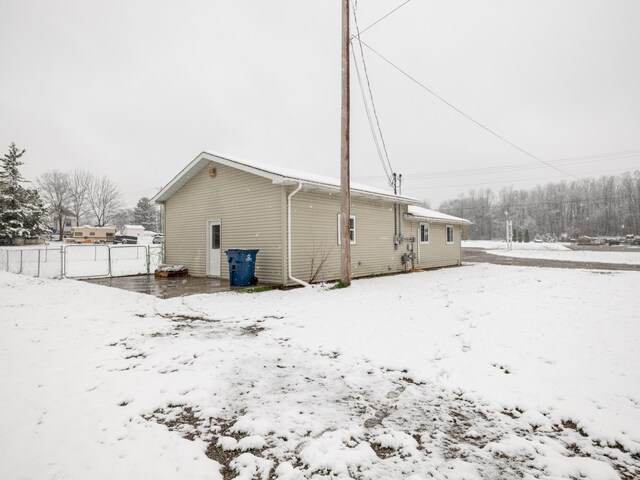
54	188
122	217
104	200
79	182
608	206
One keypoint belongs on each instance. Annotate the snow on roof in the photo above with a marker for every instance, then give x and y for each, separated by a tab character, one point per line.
134	227
425	213
278	175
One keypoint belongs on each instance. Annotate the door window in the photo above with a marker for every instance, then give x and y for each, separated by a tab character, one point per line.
215	237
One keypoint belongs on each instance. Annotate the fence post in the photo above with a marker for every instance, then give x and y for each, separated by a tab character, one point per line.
62	254
148	248
109	258
20	262
38	262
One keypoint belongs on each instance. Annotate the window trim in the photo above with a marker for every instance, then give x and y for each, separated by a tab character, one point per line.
355	224
426	224
446	235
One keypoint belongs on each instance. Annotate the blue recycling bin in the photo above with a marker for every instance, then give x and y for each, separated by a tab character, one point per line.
242	267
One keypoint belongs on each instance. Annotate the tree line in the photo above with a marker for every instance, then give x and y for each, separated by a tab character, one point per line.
606	206
58	196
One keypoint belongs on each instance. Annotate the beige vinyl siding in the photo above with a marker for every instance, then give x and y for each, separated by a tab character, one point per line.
250	209
436	253
315	235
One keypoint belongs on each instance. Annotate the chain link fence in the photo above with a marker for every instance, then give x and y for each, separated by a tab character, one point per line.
81	261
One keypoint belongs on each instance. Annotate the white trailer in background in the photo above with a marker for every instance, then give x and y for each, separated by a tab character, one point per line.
88	234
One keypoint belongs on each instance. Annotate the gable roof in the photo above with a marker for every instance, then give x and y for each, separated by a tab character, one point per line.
278	175
426	214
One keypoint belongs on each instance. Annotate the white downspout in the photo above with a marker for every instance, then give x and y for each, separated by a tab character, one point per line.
418	238
304	284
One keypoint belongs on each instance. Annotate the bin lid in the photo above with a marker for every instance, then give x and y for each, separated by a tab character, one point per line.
241	255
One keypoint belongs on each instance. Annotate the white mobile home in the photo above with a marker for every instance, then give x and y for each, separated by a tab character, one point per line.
217	203
88	234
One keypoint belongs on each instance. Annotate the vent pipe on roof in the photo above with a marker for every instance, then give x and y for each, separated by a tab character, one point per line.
297	280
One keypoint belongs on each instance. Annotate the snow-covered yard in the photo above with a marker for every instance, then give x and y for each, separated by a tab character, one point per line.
482	371
554	251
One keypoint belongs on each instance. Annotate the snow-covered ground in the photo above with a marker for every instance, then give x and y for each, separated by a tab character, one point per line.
482	371
554	251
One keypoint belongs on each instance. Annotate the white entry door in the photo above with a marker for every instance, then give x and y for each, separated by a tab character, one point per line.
213	248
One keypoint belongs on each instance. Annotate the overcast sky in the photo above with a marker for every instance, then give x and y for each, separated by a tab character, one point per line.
136	89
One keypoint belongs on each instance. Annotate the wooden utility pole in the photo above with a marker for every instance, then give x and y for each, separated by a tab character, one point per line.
345	185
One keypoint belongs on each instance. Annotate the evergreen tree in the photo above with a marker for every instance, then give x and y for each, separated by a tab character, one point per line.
145	214
526	235
22	212
514	234
519	236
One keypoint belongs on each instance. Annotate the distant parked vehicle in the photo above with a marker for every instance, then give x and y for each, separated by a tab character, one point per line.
125	240
584	240
612	241
158	238
88	234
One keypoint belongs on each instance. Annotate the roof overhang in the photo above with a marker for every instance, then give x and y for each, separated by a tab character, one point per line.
206	158
427	218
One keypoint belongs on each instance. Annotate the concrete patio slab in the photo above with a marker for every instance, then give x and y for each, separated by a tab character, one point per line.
166	287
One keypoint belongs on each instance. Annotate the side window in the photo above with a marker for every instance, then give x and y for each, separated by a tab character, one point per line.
352	229
449	234
424	233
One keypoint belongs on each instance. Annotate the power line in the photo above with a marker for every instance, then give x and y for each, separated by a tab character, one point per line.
424	87
145	190
497	169
433	187
371	126
373	104
385	16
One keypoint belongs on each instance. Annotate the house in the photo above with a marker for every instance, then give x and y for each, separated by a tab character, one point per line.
217	203
69	222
